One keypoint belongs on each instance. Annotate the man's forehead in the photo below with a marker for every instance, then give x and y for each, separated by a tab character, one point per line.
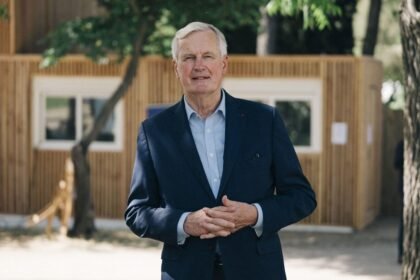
200	47
195	32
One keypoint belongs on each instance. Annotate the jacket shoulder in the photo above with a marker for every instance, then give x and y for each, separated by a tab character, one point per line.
255	107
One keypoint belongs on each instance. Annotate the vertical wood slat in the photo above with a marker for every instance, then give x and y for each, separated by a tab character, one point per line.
7	86
20	151
11	144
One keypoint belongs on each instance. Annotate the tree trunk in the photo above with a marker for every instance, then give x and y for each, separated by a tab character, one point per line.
410	36
371	35
83	212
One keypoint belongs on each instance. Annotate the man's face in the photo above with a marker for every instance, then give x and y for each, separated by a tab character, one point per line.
200	66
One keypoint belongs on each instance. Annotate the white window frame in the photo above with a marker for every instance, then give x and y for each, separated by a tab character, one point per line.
79	88
270	90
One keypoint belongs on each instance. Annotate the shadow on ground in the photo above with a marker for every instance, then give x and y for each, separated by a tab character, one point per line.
23	236
370	252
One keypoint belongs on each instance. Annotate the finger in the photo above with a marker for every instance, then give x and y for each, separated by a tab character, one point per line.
220	214
221	222
220	209
222	233
216	226
207	236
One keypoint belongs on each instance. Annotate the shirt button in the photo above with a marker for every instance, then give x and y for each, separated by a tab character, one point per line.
211	155
208	130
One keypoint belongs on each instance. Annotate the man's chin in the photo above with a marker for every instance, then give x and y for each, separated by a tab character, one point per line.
201	91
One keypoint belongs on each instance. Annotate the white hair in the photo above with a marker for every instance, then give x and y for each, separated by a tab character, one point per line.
194	27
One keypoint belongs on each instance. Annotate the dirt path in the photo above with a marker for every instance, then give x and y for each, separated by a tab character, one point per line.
117	254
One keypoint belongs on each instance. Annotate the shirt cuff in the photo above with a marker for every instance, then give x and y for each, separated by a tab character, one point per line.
258	227
181	234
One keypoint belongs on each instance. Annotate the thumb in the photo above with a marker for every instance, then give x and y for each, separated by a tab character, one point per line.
226	201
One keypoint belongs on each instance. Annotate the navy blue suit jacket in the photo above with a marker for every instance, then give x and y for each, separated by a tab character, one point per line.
260	165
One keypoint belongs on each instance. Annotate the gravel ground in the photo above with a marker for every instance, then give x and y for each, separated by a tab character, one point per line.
115	253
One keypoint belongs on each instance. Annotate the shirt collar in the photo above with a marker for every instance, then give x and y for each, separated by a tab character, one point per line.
221	108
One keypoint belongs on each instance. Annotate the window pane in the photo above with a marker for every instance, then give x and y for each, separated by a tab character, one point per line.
91	109
297	119
60	118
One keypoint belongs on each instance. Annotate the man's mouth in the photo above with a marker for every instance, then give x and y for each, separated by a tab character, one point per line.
200	78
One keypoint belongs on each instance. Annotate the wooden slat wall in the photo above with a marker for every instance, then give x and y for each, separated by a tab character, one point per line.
369	183
345	177
29	176
162	85
338	161
47	169
311	167
34	19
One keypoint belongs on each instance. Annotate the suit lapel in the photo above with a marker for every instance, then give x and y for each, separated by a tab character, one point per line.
235	130
187	146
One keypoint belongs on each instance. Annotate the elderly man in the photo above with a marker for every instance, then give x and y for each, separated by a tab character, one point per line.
215	178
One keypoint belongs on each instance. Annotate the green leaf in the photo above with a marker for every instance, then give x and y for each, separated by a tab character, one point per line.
4	13
315	12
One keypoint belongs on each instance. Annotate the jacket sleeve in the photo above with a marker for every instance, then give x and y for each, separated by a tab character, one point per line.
146	214
294	198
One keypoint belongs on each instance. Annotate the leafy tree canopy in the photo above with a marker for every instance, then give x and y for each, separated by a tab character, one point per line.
115	31
315	12
335	38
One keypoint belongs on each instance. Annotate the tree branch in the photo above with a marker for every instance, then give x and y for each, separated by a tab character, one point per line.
110	104
372	28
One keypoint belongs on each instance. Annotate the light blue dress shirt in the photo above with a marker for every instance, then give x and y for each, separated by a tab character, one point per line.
209	139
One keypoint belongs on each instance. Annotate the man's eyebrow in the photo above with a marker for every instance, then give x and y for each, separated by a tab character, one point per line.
187	54
209	52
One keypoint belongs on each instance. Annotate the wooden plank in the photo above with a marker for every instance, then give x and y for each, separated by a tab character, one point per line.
310	166
20	136
11	146
6	78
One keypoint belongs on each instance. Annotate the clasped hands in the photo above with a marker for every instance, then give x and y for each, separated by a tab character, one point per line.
221	220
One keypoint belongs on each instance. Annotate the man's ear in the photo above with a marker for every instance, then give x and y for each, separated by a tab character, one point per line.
225	64
175	68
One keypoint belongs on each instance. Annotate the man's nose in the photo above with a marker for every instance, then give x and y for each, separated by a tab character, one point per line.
199	64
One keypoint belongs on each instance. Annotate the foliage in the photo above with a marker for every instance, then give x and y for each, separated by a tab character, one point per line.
113	33
4	13
336	39
315	12
98	36
159	42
